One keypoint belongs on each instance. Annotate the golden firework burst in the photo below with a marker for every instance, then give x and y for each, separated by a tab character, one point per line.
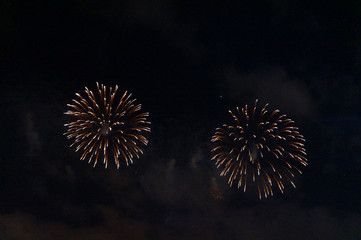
259	146
104	125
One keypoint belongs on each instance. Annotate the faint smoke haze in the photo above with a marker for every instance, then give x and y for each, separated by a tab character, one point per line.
31	134
273	86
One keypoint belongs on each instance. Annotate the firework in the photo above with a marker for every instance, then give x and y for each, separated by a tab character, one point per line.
106	126
261	147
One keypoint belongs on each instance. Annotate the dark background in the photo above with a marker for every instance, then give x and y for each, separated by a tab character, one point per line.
187	64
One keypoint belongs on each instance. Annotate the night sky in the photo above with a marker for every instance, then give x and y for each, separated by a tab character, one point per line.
187	64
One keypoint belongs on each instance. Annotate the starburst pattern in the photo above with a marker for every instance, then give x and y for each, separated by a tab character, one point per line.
261	147
107	126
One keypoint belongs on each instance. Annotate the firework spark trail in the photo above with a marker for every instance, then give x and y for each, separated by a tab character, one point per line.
262	147
105	127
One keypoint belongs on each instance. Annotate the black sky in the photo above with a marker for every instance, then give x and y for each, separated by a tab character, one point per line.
187	64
